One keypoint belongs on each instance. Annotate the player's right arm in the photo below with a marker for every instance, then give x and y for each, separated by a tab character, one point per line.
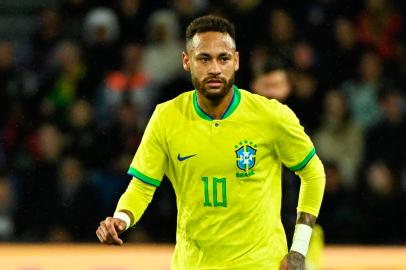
130	208
147	170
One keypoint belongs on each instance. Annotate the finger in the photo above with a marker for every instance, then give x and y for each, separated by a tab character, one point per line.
120	225
104	232
111	228
100	235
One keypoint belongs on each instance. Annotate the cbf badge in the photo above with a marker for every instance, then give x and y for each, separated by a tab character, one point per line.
246	157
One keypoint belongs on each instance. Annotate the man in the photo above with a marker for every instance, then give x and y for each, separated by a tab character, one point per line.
222	148
273	82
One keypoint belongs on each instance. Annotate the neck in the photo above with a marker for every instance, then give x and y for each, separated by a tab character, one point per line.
215	107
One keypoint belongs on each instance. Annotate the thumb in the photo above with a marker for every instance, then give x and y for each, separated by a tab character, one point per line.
120	224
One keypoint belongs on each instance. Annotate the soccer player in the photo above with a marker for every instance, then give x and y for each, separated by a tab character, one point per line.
222	148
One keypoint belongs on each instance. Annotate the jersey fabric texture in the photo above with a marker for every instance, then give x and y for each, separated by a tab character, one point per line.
227	177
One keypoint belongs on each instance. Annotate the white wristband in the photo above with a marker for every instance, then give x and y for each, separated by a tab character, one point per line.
124	217
301	238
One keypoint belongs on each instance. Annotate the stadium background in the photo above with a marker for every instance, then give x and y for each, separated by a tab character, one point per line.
79	80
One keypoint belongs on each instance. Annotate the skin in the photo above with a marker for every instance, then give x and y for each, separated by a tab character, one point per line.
294	260
274	84
212	60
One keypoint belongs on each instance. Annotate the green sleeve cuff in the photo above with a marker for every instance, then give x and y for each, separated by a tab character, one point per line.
140	176
306	160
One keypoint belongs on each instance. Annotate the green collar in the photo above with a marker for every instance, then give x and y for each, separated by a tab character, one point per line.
230	109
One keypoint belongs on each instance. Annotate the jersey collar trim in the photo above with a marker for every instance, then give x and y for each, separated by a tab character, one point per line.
235	101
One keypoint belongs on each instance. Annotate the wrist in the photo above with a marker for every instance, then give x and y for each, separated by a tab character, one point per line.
124	217
301	239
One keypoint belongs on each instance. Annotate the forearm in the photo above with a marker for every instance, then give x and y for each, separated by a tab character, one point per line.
135	200
312	185
310	198
306	219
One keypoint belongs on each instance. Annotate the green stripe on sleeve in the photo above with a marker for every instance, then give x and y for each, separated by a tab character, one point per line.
306	160
133	172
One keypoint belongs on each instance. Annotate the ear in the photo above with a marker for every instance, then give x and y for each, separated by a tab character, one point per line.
186	62
237	60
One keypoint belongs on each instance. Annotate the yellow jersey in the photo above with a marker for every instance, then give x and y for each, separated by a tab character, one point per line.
227	177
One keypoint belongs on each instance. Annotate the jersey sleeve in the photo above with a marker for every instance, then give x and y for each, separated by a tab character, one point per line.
293	146
150	160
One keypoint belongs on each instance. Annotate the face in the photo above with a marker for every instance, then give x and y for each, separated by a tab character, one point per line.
273	85
212	60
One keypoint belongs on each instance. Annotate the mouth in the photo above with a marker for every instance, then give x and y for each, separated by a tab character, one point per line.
214	83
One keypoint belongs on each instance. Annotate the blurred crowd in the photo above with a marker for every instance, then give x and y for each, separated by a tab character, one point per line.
75	97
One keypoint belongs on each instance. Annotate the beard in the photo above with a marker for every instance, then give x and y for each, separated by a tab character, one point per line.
214	94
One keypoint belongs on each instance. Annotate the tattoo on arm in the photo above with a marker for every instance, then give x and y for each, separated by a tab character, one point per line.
306	218
296	261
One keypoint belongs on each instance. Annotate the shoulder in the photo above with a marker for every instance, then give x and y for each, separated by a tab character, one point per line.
262	104
175	105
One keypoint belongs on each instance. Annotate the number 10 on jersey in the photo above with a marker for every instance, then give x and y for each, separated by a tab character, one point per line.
218	188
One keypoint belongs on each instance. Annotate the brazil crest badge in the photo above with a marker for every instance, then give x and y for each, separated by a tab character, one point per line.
246	157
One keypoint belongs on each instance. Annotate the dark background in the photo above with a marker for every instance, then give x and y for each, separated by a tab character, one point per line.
79	80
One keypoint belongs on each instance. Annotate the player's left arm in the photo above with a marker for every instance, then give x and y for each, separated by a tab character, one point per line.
296	151
310	197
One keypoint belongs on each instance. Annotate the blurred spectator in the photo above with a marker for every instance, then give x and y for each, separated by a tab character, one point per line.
337	134
305	100
131	17
344	57
339	215
46	37
304	57
73	13
162	58
66	80
128	84
400	66
77	208
382	203
17	85
283	35
250	18
385	140
39	185
81	136
120	141
362	93
273	82
187	10
7	208
101	33
378	27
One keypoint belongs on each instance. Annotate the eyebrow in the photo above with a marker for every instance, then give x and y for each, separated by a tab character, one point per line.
208	55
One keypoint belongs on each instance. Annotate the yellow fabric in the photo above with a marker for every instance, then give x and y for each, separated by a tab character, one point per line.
313	180
136	198
227	177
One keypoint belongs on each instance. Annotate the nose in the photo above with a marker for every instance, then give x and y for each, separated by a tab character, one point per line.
214	68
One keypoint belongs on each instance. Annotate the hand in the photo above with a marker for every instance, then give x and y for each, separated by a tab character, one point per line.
293	261
109	230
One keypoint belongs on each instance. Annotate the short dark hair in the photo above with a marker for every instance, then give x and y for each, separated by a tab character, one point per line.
209	23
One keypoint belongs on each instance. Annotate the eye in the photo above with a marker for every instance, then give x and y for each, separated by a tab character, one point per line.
224	59
204	59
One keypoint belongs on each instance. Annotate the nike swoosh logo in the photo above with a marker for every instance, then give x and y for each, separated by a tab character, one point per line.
185	157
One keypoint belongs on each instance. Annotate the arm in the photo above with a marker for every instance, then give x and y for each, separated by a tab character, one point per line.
130	208
147	169
310	198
